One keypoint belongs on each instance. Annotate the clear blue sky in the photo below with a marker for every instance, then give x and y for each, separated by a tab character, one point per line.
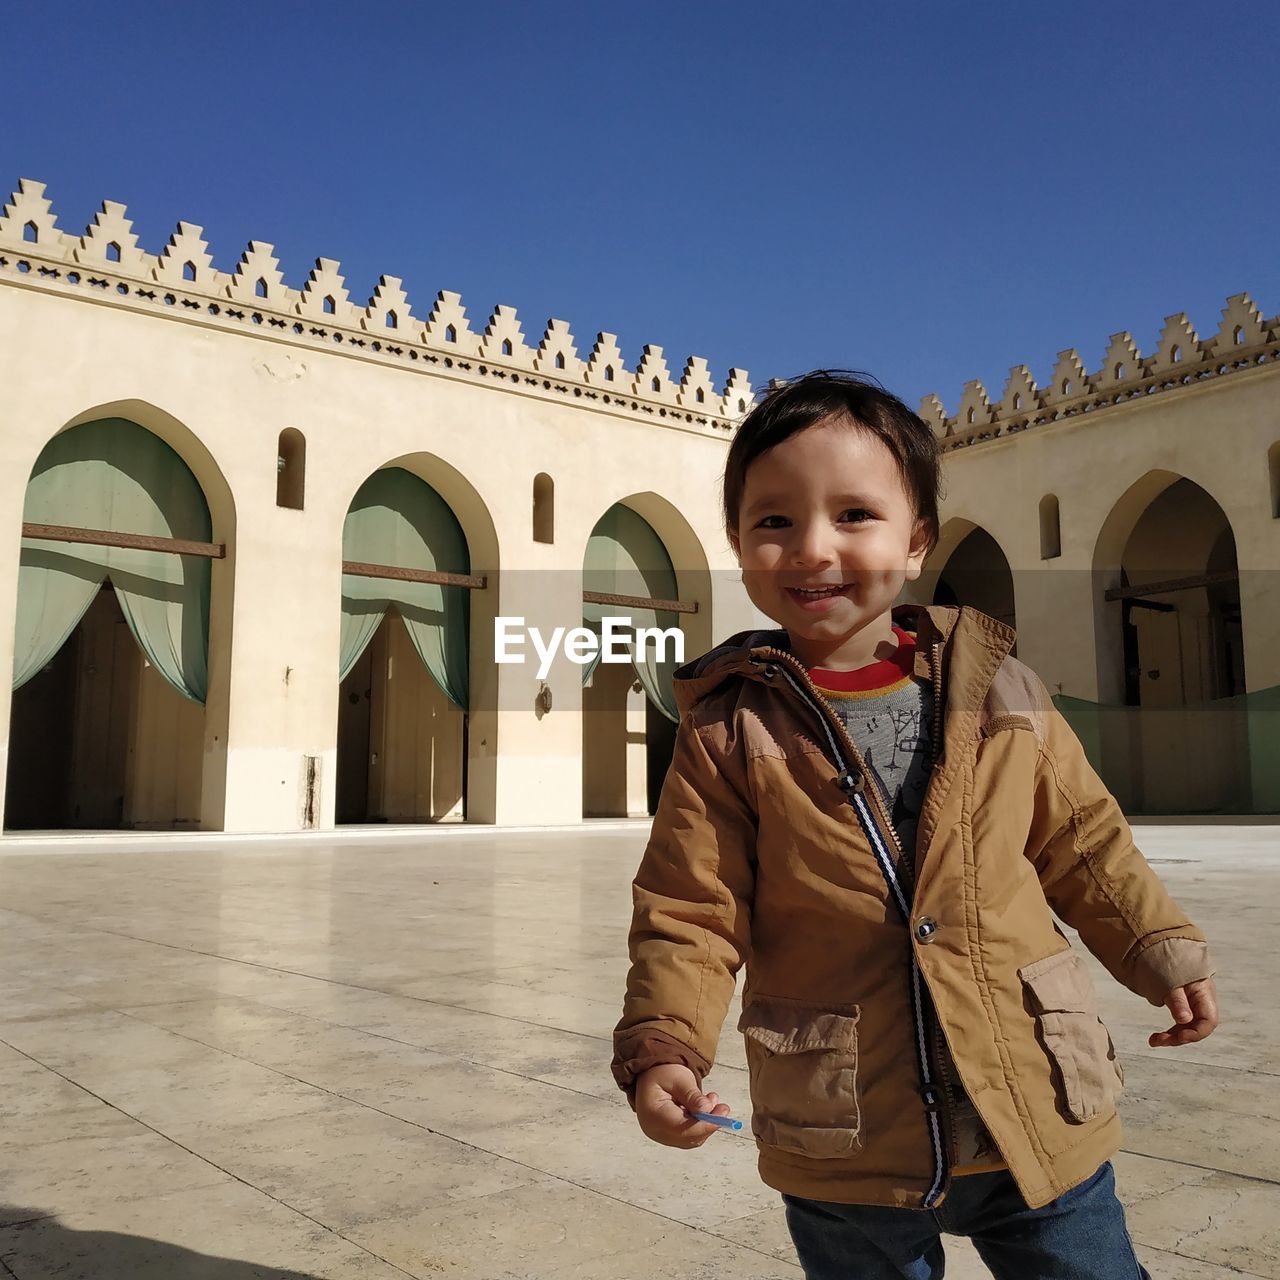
927	191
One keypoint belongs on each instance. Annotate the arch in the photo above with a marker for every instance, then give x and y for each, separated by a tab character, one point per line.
291	469
1168	650
544	508
641	546
460	495
434	754
1050	527
1166	527
126	467
189	447
968	566
218	495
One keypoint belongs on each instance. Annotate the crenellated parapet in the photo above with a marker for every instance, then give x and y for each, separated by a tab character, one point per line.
107	264
1182	359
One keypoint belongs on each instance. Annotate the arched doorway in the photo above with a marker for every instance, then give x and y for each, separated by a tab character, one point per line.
1179	597
969	567
112	635
1171	731
629	711
404	662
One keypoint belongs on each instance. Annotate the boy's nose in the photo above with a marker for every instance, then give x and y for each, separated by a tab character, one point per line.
812	549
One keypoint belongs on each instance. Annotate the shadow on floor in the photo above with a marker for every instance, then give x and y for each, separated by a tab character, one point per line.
33	1246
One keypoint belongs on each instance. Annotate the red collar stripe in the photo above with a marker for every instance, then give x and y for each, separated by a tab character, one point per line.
884	673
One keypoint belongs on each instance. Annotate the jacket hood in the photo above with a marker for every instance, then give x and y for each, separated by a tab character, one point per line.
929	623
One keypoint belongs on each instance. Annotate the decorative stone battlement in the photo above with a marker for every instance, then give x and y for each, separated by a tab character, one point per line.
106	264
1182	359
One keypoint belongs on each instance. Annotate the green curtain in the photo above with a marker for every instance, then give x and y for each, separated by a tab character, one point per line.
625	556
113	474
1216	756
398	519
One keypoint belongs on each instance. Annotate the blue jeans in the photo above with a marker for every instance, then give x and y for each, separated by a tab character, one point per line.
1079	1236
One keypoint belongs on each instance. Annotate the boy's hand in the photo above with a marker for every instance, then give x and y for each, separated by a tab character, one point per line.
1195	1014
662	1094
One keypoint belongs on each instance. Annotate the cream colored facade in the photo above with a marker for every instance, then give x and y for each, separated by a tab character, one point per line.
1165	468
93	327
530	446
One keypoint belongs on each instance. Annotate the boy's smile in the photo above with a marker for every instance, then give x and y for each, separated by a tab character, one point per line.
825	540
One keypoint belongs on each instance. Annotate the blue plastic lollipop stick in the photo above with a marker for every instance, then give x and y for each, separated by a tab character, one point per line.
723	1122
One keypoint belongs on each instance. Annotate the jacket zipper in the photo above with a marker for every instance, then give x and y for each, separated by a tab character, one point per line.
877	800
935	1045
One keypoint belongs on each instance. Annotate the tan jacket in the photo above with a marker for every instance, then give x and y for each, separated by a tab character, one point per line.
771	847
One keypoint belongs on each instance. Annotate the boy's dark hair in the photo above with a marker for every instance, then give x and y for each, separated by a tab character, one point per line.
791	406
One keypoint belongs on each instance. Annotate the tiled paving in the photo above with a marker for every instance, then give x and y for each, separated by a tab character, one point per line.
387	1057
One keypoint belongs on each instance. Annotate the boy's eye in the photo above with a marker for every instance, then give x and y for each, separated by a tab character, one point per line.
853	515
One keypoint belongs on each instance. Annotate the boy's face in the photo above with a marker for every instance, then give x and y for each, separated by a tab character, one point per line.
828	507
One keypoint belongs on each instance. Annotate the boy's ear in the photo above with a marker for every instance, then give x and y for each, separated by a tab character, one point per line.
919	550
735	544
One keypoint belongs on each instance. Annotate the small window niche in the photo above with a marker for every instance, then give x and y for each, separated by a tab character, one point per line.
1050	528
1273	466
291	469
544	508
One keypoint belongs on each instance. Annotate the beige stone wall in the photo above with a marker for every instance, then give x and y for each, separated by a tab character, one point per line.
220	389
1106	467
1117	447
220	365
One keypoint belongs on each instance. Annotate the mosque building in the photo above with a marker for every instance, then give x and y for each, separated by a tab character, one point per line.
278	561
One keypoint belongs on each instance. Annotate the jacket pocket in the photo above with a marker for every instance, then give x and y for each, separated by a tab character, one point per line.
802	1061
1062	997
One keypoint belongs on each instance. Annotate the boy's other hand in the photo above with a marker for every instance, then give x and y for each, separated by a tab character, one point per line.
662	1094
1195	1014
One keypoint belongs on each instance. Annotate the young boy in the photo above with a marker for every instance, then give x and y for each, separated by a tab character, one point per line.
879	811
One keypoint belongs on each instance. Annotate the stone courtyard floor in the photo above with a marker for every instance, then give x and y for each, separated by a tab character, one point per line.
388	1056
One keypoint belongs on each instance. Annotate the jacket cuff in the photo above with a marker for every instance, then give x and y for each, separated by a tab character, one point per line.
636	1052
1170	963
